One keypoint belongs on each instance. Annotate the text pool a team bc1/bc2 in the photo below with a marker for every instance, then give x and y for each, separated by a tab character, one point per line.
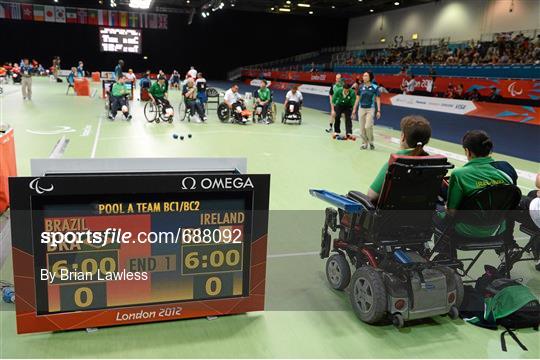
111	249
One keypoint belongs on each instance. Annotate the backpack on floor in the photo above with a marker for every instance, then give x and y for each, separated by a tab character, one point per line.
498	301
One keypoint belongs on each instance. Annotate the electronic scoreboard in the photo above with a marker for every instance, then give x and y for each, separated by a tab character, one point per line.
101	250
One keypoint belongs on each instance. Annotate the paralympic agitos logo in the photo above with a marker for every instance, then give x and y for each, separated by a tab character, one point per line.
34	185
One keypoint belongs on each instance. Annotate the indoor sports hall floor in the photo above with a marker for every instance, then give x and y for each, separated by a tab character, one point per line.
304	317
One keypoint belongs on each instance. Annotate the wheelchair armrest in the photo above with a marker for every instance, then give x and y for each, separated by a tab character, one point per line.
339	201
361	198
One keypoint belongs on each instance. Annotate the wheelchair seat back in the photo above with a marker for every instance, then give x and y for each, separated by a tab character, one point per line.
408	199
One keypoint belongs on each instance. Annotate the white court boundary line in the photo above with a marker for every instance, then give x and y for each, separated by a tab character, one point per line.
96	139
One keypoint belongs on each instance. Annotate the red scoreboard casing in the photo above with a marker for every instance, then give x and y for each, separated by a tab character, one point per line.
222	272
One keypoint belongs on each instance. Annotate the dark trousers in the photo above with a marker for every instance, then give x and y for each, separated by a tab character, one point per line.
116	103
264	109
296	108
195	106
164	102
347	110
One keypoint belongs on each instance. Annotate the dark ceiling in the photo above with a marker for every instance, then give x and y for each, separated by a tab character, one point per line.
330	8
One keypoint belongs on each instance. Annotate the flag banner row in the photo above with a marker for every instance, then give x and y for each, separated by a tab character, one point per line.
71	15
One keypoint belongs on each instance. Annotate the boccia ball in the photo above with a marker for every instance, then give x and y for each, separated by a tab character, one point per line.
189	136
181	138
169	112
175	136
124	109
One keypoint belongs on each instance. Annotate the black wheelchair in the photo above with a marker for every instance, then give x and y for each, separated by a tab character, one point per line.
155	113
185	113
490	207
271	110
108	105
292	112
385	243
227	115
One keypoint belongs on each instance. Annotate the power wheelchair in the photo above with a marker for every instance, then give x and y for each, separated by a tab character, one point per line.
385	243
108	104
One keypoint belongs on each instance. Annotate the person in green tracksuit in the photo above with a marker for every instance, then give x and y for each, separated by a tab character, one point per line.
158	94
118	98
263	99
338	85
344	101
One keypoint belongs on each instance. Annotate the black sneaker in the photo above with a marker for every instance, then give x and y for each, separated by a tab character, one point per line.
371	147
111	117
329	130
129	117
363	147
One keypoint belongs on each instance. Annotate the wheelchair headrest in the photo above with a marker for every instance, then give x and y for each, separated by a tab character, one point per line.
413	182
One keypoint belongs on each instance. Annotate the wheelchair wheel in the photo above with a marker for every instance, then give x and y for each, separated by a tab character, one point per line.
460	291
338	271
150	112
272	112
283	118
183	111
368	295
223	112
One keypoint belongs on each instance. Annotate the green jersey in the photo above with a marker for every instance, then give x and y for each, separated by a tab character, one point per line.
157	90
264	94
119	89
466	181
342	99
378	182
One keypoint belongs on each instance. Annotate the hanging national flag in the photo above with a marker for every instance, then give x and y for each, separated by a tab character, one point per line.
5	11
123	19
71	15
133	20
152	21
143	20
162	21
92	17
82	16
60	14
113	19
27	12
16	11
49	14
103	17
39	13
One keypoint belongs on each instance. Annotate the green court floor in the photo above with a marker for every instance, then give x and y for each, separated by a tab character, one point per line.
304	317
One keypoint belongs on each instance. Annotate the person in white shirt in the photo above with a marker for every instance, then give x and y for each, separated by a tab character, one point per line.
132	78
192	73
234	101
293	98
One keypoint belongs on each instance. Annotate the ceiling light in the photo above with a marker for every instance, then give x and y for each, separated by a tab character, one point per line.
371	10
288	1
272	9
414	36
304	5
140	4
333	6
187	1
396	3
311	13
284	10
383	40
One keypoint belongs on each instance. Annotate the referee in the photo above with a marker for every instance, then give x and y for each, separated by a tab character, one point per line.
370	107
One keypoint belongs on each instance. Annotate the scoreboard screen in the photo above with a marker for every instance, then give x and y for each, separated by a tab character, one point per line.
120	40
106	244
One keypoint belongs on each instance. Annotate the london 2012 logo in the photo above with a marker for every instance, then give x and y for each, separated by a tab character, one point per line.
34	185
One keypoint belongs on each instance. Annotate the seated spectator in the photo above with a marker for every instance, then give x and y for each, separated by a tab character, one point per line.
474	95
494	95
459	92
450	92
415	134
479	172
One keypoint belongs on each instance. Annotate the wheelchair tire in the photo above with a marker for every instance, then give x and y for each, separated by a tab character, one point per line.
272	113
223	112
460	291
283	118
150	112
368	295
338	272
182	111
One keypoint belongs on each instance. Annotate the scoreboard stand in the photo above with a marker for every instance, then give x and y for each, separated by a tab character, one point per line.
98	244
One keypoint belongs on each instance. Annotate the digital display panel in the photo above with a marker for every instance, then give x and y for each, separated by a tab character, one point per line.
120	40
137	248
